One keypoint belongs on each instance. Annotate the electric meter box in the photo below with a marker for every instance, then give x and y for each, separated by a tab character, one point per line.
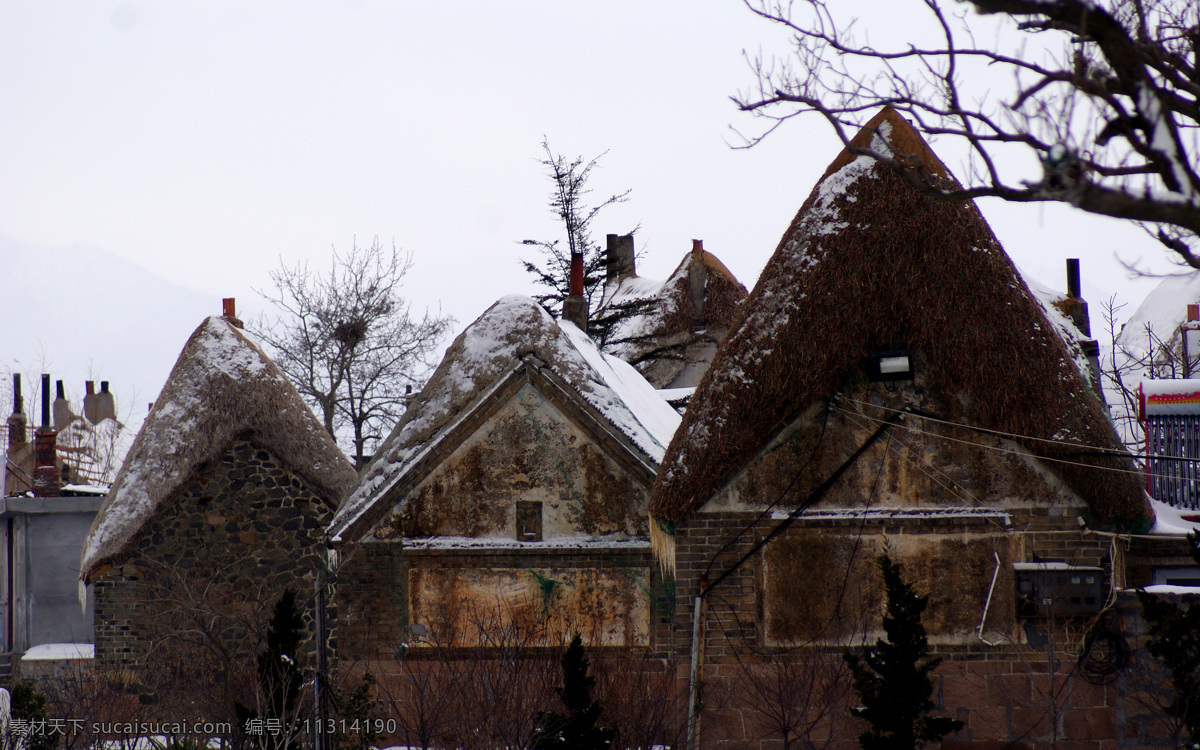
1057	589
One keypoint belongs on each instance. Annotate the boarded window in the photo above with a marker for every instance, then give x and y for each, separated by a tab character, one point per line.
529	520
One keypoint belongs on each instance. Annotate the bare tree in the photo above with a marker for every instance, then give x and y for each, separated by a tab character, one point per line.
1104	94
348	340
799	695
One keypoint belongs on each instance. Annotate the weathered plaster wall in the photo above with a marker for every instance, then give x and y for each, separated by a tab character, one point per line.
528	450
607	606
916	463
219	551
464	597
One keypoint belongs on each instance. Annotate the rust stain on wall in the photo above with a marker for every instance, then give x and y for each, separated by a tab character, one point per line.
475	606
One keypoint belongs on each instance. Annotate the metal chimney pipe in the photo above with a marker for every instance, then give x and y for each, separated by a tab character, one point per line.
45	400
1073	289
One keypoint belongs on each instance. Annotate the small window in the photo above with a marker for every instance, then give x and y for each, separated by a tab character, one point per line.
529	520
1184	575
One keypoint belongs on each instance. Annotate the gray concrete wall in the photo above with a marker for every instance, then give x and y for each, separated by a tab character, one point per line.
47	538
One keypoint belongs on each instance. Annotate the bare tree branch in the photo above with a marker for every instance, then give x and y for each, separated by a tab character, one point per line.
349	341
1110	105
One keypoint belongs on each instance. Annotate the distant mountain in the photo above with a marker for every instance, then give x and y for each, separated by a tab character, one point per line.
84	314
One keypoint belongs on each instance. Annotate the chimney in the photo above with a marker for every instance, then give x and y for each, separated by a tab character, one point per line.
62	408
1077	309
106	405
1190	333
619	260
17	421
45	450
574	306
229	311
697	280
89	401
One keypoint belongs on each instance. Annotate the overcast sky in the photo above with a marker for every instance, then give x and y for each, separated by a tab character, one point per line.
205	141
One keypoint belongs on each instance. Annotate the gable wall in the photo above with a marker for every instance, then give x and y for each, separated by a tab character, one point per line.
526	450
531	447
228	542
816	587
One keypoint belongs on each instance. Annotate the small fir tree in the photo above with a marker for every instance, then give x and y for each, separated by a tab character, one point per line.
576	730
1175	641
892	677
27	704
279	674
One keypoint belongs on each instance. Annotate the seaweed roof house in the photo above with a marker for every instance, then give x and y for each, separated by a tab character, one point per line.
220	505
514	487
678	323
892	384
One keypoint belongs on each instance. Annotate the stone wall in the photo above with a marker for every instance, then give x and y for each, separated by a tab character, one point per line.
203	575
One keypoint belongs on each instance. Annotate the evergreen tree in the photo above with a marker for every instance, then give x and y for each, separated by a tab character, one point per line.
892	677
1175	642
28	703
569	204
280	676
577	729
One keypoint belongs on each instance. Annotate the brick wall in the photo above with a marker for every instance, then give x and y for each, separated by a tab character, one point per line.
1014	694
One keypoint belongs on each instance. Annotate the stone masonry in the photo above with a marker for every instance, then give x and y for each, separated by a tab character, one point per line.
203	575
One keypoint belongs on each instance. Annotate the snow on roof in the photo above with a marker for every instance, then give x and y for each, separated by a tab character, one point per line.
1051	301
669	316
222	385
1162	312
48	651
620	542
1170	397
1169	520
477	362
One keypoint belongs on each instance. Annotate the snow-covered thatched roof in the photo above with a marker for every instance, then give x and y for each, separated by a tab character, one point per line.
870	263
514	332
223	386
670	311
1157	320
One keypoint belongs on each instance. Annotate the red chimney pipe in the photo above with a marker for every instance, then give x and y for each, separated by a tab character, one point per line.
1193	312
228	307
575	282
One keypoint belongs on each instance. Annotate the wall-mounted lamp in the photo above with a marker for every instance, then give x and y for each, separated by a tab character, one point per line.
889	366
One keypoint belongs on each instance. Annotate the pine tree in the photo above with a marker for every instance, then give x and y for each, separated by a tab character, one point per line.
892	677
279	674
577	729
1175	642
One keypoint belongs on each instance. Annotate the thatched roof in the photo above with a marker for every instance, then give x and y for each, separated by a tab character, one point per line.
670	316
223	386
510	333
870	263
